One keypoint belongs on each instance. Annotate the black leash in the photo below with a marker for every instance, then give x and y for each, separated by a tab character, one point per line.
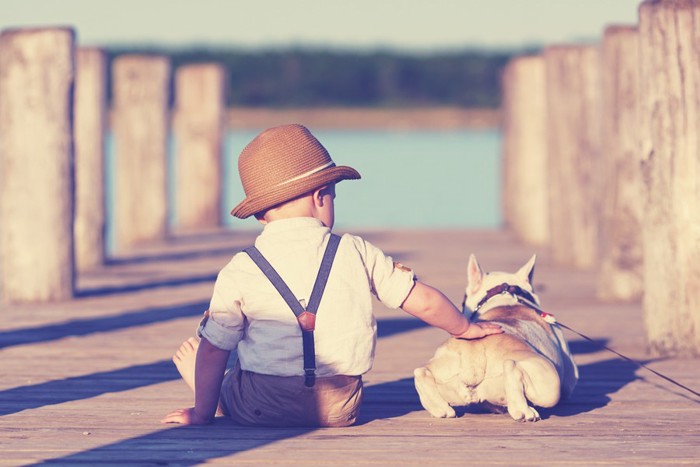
552	320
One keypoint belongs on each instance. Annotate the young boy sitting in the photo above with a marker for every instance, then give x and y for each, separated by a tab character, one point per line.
296	368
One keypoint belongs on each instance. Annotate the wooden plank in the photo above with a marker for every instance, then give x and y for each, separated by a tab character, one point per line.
95	394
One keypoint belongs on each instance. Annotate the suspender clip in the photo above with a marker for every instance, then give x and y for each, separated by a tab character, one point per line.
309	377
307	321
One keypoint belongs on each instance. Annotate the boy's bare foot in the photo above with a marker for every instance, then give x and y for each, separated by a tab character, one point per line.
184	359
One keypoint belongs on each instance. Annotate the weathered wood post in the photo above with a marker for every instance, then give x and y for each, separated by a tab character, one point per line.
140	127
573	123
89	130
199	132
36	164
525	194
670	77
620	276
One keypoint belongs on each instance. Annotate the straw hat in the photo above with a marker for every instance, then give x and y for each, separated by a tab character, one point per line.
282	163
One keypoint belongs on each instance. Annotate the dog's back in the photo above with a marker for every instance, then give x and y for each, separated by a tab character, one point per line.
544	338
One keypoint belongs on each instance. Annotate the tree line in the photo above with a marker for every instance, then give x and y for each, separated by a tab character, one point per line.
321	78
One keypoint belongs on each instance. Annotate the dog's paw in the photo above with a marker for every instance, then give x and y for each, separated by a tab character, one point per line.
529	414
442	412
429	394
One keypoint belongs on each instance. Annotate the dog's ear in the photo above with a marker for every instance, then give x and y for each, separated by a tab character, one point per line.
528	271
474	275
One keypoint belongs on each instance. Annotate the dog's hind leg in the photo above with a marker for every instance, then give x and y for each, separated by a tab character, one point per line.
514	382
530	378
429	394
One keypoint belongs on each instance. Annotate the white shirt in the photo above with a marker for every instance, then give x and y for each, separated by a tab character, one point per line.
246	313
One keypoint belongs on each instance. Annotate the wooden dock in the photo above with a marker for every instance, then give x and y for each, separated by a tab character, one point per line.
85	382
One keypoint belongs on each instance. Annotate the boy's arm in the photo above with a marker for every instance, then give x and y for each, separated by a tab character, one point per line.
209	373
430	305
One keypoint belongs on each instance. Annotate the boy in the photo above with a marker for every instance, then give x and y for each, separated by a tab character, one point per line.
266	298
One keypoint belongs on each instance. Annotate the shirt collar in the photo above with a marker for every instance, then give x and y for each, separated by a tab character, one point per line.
291	224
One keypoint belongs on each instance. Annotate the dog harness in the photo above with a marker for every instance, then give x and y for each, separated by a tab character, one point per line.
521	295
305	314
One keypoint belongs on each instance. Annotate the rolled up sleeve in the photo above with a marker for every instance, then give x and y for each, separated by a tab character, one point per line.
223	325
391	281
218	334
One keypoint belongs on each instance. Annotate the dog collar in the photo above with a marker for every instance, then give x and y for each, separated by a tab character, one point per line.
514	290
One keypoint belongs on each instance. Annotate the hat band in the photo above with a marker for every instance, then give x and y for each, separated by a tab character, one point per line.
306	174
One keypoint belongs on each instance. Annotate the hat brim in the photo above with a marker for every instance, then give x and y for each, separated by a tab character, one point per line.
289	191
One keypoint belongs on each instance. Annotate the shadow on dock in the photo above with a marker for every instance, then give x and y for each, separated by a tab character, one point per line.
84	387
143	285
83	327
197	445
384	400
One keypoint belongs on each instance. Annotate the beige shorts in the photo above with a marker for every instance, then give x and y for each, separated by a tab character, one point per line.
254	399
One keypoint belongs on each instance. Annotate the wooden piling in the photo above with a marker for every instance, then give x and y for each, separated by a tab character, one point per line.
199	132
574	138
140	127
36	164
525	173
621	265
89	130
670	130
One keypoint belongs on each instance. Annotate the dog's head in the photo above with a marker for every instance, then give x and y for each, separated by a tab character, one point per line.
479	283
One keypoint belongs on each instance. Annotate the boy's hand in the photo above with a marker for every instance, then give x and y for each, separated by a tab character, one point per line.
479	330
185	417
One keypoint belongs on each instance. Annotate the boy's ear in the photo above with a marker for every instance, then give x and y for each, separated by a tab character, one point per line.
318	195
474	275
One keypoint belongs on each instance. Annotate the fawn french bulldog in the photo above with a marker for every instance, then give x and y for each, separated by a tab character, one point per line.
528	365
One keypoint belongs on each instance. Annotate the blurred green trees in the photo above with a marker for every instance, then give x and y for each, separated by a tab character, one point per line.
322	78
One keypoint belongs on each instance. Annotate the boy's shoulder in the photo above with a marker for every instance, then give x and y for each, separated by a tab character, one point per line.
355	242
366	249
350	243
239	262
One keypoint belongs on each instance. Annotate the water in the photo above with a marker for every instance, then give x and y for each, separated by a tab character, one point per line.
410	179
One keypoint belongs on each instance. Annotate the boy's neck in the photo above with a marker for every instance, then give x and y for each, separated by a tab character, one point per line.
300	207
318	204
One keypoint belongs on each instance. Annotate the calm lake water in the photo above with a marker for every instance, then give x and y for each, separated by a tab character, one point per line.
411	179
418	179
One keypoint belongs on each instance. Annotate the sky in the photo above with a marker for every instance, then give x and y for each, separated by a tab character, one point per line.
415	25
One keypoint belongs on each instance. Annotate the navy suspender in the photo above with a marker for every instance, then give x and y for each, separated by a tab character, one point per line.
306	316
